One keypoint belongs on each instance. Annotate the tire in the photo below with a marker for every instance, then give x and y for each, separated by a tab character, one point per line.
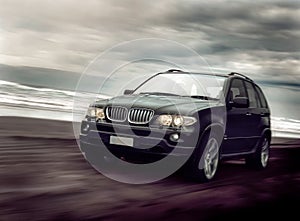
205	160
260	159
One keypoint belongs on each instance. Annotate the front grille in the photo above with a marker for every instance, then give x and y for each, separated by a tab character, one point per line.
140	116
116	113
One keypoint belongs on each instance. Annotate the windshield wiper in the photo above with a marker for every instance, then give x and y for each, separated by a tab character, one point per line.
160	93
201	97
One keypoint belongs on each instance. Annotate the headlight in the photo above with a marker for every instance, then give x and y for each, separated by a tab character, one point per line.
165	120
176	120
96	112
100	113
188	121
91	112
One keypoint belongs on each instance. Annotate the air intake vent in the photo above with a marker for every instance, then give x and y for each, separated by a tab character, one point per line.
116	113
140	116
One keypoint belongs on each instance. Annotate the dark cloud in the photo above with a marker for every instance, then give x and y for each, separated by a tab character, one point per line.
290	85
257	25
250	36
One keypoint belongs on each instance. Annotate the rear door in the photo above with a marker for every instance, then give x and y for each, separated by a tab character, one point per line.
253	115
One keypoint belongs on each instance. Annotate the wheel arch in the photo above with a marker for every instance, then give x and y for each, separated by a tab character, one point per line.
268	133
217	127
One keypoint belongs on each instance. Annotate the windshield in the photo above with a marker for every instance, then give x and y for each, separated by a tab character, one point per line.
185	84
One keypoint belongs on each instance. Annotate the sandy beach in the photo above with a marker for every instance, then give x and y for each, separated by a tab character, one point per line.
43	176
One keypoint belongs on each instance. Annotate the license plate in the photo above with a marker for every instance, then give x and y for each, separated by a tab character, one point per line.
124	141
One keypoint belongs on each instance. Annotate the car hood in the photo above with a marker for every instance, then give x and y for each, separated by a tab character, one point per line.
160	104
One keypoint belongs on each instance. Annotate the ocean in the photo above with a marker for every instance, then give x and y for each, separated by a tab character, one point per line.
49	103
45	103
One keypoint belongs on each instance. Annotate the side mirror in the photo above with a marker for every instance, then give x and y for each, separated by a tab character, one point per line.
240	102
127	91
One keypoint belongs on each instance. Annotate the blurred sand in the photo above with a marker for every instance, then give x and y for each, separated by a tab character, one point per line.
43	176
33	127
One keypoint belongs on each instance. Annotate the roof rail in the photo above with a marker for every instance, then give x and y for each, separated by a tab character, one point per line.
174	70
242	75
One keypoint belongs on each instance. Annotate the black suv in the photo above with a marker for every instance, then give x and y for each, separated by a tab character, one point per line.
203	116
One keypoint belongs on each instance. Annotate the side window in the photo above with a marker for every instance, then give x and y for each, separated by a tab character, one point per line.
253	98
237	89
261	97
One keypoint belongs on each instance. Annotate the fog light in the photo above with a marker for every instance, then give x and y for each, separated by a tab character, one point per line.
174	137
86	128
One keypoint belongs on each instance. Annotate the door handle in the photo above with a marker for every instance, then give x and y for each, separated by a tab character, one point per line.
262	114
248	114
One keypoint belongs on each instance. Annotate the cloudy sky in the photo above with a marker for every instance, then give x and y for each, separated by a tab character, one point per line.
259	38
254	36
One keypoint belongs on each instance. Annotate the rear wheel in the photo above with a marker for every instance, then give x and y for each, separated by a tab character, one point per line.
205	160
260	158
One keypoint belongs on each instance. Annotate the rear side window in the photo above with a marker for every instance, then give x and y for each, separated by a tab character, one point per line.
261	97
252	95
237	89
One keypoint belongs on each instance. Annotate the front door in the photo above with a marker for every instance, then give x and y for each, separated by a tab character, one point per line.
239	126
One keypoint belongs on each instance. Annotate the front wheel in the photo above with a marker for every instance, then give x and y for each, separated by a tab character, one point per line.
260	158
205	161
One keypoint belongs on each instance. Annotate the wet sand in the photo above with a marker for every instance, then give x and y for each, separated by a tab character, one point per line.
43	176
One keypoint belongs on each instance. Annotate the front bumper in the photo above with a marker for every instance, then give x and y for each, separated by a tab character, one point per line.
149	143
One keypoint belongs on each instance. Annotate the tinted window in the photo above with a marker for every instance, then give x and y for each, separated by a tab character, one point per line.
261	97
237	89
253	98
